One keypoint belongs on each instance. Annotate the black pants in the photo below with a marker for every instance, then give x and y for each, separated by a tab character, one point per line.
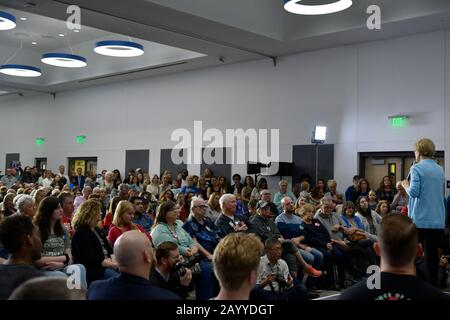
431	240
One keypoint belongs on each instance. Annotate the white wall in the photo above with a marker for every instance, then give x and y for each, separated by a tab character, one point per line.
351	89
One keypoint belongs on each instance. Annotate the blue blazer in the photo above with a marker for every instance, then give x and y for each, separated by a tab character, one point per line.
426	195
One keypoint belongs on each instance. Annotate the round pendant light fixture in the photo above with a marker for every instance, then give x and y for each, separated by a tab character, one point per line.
294	6
119	48
19	70
64	60
7	21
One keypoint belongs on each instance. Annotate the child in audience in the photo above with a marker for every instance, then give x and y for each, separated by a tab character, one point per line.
373	200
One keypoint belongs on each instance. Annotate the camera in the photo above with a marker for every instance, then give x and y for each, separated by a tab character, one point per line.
181	267
281	281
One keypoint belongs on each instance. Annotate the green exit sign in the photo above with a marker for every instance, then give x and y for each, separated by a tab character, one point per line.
398	121
40	141
81	139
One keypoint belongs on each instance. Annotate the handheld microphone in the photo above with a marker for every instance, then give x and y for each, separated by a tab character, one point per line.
409	174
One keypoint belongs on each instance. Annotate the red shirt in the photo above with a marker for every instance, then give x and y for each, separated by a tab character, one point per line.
67	224
107	222
116	232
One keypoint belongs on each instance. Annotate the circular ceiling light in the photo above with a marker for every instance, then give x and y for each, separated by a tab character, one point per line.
19	70
294	6
119	48
7	21
64	60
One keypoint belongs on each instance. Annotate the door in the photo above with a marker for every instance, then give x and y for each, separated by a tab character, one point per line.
88	166
40	163
377	168
375	165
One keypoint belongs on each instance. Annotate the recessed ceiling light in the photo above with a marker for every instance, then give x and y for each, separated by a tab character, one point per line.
64	60
23	19
294	6
61	35
76	30
20	70
7	21
119	48
34	43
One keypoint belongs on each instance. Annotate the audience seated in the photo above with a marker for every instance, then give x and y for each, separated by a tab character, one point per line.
398	248
340	241
386	190
169	272
123	222
274	280
89	246
228	222
56	248
214	210
168	228
283	192
134	255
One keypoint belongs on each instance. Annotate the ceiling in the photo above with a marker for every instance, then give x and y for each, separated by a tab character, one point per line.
181	35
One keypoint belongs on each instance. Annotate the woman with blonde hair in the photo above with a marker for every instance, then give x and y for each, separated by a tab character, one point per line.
214	210
123	222
401	199
426	208
89	246
107	222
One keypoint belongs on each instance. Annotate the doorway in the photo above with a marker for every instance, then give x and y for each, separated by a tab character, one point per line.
40	164
88	166
375	165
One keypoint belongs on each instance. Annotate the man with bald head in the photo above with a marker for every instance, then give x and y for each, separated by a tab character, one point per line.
134	255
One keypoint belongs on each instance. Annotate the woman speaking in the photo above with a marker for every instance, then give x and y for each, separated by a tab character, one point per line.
426	203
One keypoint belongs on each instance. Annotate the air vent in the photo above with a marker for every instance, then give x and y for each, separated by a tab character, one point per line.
133	71
47	36
377	162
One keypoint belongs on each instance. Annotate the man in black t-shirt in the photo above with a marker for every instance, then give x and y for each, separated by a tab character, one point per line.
398	247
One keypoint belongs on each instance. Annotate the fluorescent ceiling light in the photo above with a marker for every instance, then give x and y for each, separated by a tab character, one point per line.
294	6
64	60
7	21
20	70
2	93
119	48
